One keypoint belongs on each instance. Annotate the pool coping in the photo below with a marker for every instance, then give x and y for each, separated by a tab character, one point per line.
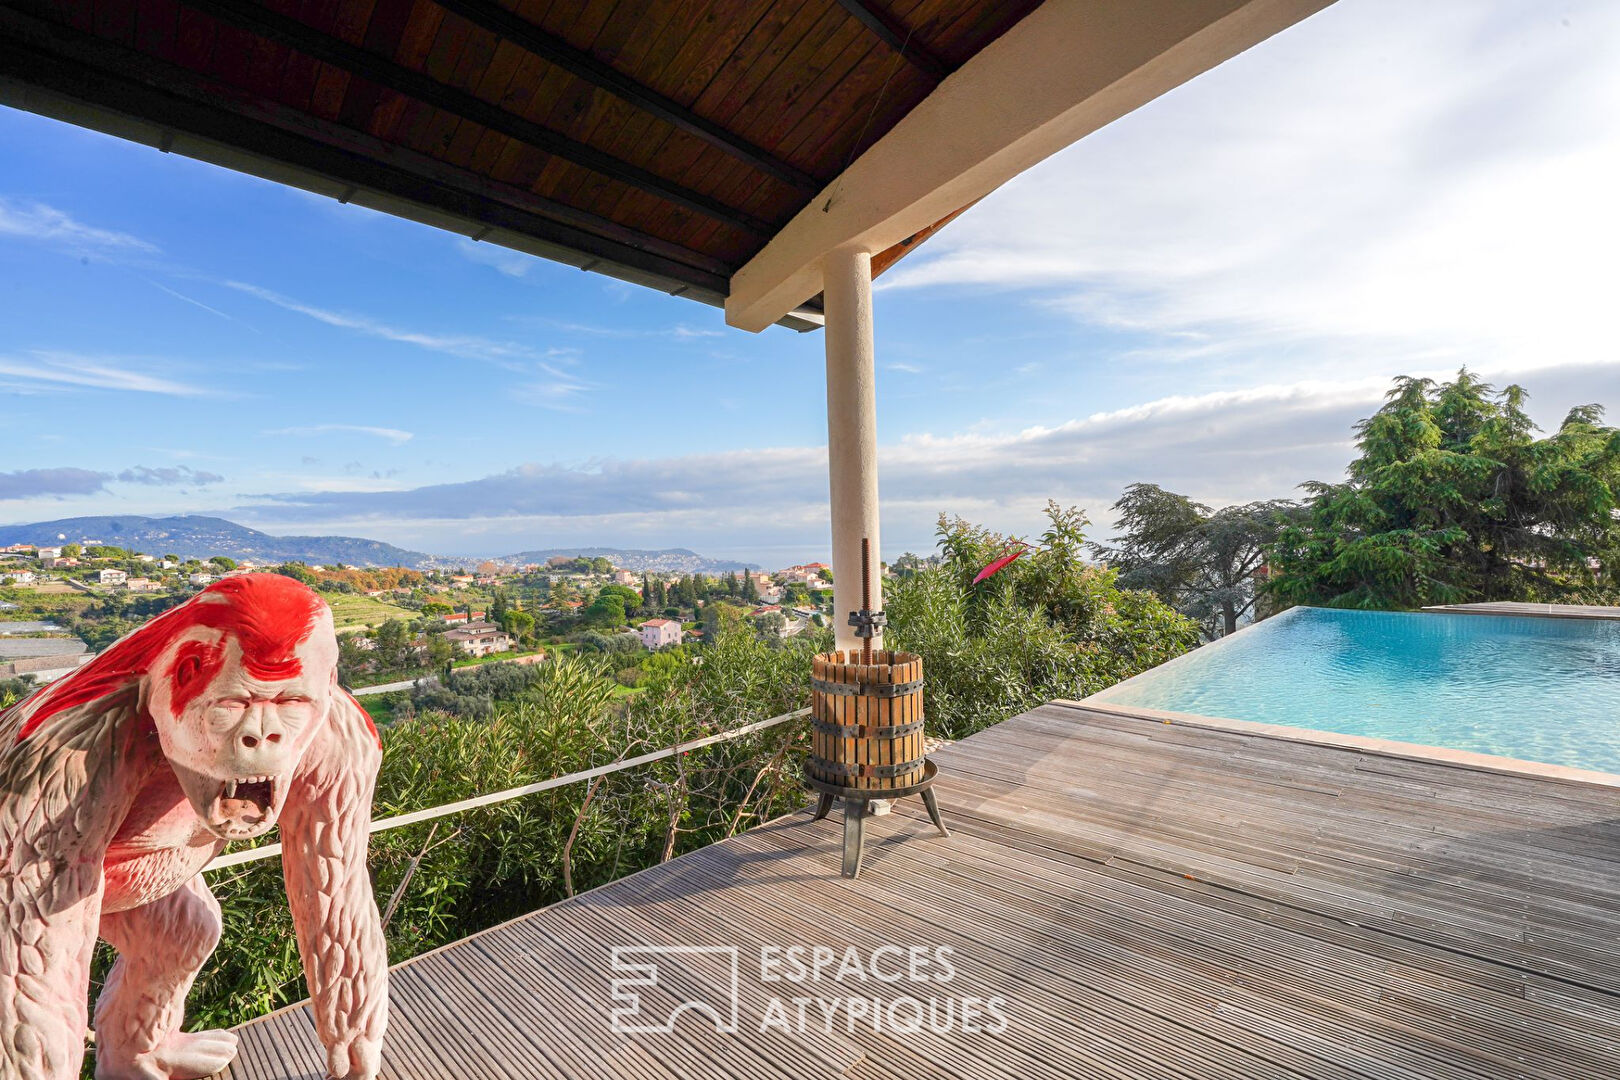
1467	759
1588	612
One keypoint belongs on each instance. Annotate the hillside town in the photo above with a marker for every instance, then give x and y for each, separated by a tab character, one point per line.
60	605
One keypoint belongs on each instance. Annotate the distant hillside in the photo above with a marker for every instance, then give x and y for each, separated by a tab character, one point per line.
194	537
665	560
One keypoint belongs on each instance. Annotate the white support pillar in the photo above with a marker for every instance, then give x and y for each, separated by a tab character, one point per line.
851	434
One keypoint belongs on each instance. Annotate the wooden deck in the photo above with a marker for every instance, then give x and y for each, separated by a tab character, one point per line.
1151	899
1541	611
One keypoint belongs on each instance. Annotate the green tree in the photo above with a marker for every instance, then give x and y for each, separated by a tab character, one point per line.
520	624
1455	499
223	562
1200	561
71	551
298	572
393	644
1048	625
439	652
771	624
606	610
719	616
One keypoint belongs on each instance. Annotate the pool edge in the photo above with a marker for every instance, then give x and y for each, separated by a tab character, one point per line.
1466	759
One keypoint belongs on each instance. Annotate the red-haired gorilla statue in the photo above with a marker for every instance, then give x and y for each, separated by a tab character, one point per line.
118	783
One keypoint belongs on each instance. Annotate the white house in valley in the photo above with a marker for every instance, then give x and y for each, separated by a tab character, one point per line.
657	633
479	639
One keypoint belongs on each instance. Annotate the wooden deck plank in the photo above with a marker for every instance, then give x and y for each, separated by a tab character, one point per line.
1151	899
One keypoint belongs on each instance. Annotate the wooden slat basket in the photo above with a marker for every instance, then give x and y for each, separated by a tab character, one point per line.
867	720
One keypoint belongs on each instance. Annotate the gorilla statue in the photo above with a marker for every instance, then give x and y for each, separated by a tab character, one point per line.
118	783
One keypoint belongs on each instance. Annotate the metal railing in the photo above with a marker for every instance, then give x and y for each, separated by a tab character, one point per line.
237	858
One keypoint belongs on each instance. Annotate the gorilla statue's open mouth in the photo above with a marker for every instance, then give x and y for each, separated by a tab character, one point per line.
244	807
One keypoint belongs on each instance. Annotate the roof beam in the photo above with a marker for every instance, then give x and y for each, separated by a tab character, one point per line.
1067	69
273	26
898	38
582	65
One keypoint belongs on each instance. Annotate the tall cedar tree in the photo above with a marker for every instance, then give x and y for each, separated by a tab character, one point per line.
1453	500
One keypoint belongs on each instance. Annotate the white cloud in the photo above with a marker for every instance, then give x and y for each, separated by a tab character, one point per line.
46	224
503	353
393	435
1221	448
1383	185
558	391
45	370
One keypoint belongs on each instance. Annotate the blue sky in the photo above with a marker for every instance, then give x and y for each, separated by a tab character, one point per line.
1205	295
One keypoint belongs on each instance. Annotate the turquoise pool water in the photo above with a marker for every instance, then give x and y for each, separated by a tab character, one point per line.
1539	689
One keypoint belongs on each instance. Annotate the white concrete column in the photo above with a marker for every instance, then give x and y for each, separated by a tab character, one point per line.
851	434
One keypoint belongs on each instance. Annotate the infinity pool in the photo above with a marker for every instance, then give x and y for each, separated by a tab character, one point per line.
1534	688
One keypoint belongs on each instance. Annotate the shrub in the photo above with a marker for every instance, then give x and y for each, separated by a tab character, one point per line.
1049	625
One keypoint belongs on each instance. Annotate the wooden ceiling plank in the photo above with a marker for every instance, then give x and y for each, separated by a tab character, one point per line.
782	119
247	15
593	115
477	52
680	156
758	54
421	31
79	14
193	38
647	138
879	72
516	163
816	61
844	143
807	56
432	128
156	22
115	21
577	23
295	80
345	20
493	85
512	90
897	36
228	60
977	26
761	53
582	65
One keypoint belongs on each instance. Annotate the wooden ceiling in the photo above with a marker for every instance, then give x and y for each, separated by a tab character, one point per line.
660	141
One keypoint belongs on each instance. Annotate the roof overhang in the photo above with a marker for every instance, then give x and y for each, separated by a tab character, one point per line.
706	158
1069	68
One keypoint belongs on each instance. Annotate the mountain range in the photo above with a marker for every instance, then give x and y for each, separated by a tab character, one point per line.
663	560
199	537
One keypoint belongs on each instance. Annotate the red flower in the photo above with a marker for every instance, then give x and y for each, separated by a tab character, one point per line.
998	564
